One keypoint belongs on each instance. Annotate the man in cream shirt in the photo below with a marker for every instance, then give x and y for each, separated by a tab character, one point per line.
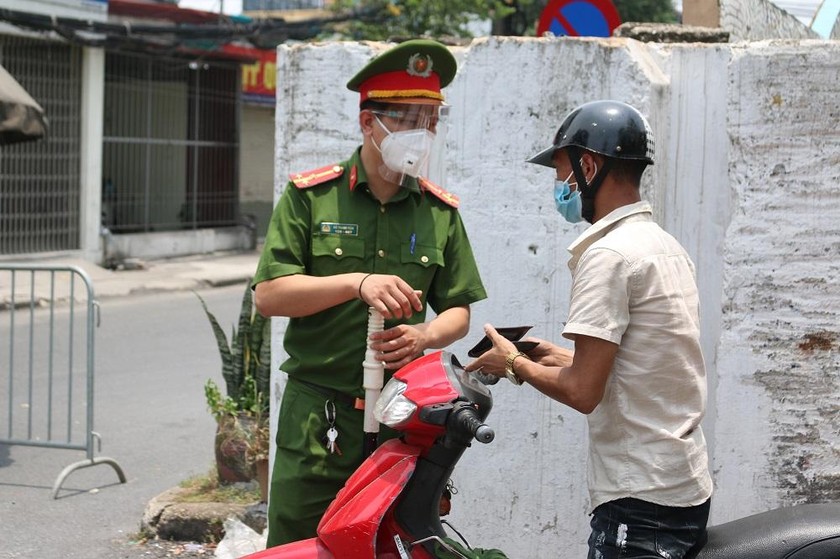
637	370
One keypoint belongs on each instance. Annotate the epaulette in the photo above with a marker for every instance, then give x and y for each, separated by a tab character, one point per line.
317	176
446	197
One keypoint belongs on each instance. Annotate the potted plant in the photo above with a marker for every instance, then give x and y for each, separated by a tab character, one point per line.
256	452
242	412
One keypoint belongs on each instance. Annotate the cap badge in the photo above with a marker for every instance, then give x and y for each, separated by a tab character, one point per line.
419	65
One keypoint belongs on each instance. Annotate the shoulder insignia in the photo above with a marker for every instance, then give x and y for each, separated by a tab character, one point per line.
316	176
446	197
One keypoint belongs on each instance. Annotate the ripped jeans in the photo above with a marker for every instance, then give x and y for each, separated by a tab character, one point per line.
629	527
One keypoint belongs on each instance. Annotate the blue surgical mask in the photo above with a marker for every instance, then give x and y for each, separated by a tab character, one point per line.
568	203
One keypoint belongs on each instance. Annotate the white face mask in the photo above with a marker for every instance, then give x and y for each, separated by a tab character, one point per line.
406	152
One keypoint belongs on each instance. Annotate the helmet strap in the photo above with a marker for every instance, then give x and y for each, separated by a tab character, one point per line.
588	190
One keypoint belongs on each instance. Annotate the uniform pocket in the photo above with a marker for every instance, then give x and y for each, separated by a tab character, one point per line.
336	254
419	264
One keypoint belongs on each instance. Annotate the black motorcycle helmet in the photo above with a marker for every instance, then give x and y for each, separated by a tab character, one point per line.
610	128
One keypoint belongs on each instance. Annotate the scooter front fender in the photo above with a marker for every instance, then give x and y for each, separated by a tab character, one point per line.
383	459
312	548
352	527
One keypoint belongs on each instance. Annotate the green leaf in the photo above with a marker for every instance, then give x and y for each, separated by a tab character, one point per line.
239	348
221	340
263	373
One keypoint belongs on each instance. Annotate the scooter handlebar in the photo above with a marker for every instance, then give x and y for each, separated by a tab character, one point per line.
484	434
467	419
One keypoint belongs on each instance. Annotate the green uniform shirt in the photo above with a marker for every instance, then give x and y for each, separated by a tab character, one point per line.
331	228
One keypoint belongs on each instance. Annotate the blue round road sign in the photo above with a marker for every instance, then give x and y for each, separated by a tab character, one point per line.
579	18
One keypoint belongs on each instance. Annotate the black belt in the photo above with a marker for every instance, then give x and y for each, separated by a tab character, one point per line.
341	397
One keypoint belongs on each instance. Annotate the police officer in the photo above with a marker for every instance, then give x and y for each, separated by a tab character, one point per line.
370	231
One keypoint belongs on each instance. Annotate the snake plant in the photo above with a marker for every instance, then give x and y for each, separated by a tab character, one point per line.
246	362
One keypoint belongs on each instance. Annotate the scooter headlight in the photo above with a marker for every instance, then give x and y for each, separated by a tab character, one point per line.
393	408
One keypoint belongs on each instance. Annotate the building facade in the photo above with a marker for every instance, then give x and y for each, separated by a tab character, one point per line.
142	155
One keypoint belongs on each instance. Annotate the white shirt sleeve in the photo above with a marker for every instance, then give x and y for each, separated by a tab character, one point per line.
600	301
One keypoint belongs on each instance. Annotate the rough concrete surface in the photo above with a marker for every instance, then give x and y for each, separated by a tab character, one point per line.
671	33
168	517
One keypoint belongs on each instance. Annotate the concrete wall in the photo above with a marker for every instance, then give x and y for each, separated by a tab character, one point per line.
781	282
756	20
746	177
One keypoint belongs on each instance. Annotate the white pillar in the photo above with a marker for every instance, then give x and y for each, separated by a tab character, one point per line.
90	176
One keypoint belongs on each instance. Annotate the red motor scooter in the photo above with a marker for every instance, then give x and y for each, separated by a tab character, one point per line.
390	507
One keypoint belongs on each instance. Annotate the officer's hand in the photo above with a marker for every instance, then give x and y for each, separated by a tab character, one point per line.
390	295
493	360
398	346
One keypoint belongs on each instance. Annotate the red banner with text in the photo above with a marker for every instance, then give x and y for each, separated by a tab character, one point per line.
259	79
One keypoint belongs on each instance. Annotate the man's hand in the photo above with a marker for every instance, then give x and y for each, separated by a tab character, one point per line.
398	346
390	295
492	361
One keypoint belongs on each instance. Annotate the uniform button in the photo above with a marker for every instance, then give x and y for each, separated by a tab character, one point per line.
336	169
339	252
424	259
382	209
381	253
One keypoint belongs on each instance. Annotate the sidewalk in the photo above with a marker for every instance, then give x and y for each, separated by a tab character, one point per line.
193	272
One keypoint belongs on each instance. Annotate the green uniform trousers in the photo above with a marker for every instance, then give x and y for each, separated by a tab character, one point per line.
306	476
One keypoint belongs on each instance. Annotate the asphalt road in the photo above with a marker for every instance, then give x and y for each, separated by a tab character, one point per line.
153	354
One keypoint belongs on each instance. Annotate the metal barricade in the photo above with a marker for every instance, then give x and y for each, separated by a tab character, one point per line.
48	317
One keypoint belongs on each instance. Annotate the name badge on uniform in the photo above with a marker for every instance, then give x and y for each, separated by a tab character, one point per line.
329	228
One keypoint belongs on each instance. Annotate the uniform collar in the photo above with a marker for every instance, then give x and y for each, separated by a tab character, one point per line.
358	176
357	170
639	211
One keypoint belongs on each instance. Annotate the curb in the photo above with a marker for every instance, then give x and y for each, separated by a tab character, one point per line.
168	517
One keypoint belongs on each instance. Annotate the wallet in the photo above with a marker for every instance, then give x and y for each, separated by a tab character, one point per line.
512	333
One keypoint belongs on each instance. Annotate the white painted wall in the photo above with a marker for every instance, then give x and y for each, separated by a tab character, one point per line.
779	365
748	162
756	20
